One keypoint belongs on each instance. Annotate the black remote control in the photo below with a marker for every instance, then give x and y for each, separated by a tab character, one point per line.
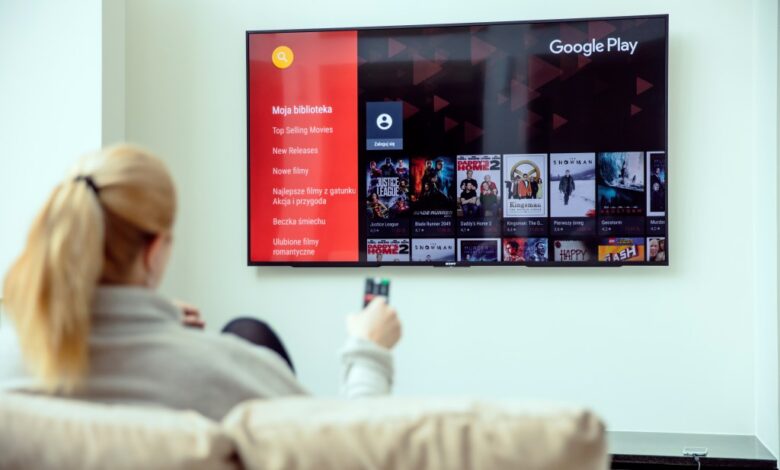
376	286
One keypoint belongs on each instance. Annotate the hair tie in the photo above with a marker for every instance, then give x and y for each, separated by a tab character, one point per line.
90	182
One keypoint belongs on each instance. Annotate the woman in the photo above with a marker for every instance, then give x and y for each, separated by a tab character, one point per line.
377	209
90	325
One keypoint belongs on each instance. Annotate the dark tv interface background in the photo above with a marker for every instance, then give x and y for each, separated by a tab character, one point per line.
498	90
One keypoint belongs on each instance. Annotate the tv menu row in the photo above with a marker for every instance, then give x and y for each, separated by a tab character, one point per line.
563	195
517	250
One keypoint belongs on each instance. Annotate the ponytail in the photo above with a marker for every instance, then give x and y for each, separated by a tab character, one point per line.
91	229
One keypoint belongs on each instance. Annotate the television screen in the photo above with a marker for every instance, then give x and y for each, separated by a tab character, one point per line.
525	143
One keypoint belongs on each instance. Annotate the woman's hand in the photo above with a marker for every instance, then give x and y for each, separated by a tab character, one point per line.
190	315
378	323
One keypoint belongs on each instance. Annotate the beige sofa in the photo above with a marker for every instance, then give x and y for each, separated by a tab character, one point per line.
301	433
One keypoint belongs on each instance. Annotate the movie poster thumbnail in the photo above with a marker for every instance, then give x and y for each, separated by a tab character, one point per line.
479	193
478	250
524	180
574	251
433	186
573	185
525	250
387	250
656	187
656	249
622	250
387	188
621	183
432	250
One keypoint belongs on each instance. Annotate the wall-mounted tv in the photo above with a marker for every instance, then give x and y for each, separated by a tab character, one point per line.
534	143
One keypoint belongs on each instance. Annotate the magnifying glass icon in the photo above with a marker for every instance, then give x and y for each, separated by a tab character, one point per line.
282	57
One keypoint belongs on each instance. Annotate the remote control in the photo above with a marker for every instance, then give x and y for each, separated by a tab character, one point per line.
374	287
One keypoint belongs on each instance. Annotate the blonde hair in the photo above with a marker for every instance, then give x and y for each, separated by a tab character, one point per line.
91	230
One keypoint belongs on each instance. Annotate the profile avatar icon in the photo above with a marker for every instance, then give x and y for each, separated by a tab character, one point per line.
384	121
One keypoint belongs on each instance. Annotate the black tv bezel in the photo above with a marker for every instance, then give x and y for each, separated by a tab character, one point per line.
459	264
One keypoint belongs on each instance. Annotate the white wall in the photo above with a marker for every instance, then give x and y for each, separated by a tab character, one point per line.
50	105
113	61
650	349
765	195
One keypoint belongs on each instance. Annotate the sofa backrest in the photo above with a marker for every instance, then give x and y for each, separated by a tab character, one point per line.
411	434
301	433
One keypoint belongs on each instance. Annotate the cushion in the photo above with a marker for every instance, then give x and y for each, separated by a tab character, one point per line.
409	433
55	433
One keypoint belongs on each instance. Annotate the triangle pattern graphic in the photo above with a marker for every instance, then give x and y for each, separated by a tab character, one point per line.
472	132
642	86
394	47
533	118
558	121
423	69
599	29
541	72
449	124
521	95
570	34
480	50
439	103
409	110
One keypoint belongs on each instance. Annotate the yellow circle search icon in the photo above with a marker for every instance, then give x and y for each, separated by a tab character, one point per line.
283	57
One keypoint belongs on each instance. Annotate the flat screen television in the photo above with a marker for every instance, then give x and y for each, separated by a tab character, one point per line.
531	143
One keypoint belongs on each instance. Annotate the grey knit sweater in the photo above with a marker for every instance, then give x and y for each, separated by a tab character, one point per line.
141	354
